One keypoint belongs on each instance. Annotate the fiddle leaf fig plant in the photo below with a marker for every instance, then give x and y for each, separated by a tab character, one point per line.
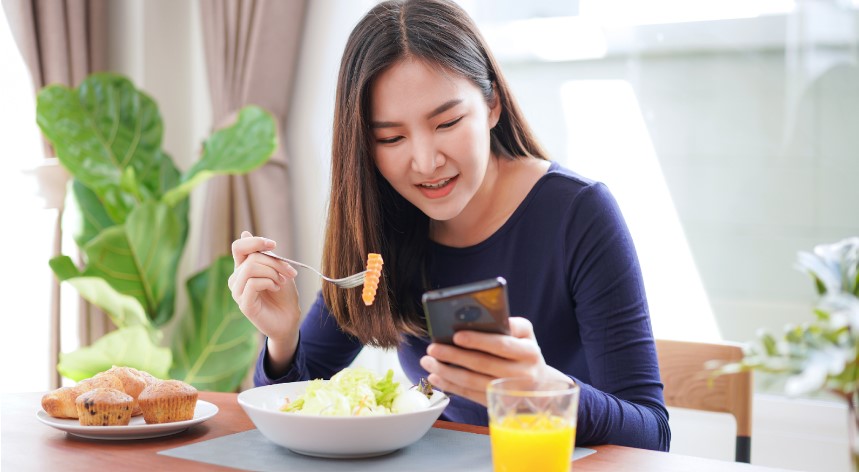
133	203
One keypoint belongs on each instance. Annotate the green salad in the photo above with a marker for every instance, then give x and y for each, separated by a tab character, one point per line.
358	392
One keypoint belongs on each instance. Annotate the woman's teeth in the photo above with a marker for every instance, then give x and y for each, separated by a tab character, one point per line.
439	184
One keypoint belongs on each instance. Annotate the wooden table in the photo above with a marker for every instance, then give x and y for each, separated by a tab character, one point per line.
27	444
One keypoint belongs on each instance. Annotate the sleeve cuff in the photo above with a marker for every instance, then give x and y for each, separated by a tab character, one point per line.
296	372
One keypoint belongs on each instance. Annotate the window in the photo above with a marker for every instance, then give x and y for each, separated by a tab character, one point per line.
28	230
726	131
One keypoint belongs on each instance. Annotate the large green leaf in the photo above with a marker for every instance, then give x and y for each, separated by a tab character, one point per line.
156	237
93	217
216	345
109	257
99	130
140	258
169	177
125	347
237	149
123	310
164	176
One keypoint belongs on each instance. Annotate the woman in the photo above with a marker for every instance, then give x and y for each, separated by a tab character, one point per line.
435	168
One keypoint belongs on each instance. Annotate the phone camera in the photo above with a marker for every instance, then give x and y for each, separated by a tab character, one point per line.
467	314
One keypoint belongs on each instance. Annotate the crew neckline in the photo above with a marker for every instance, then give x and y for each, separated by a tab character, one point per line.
511	221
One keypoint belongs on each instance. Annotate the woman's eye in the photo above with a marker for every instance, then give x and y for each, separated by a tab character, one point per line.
389	140
449	123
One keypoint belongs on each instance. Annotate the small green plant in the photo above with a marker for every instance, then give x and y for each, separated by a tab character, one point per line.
821	354
134	207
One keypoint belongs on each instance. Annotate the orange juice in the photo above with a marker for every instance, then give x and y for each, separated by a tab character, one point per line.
528	442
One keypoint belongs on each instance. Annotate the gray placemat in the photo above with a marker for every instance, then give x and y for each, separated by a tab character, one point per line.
439	449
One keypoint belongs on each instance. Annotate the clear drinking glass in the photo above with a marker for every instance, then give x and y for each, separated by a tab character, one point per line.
532	424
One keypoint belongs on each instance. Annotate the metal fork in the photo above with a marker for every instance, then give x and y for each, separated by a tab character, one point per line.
351	281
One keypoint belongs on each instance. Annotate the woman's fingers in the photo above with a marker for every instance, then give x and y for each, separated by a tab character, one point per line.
521	327
521	345
456	380
488	364
250	303
479	358
248	272
259	267
249	244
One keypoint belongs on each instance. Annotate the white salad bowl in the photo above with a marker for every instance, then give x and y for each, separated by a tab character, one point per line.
335	436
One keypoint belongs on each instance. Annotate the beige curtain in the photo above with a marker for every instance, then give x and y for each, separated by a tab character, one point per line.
61	41
251	53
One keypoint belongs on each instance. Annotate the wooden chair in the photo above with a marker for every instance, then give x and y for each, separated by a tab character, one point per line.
688	385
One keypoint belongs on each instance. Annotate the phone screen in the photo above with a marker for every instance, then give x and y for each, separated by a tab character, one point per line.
477	306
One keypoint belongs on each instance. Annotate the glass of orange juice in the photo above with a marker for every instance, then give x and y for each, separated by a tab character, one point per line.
532	424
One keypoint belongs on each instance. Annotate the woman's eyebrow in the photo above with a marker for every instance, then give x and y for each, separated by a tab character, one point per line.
444	107
438	110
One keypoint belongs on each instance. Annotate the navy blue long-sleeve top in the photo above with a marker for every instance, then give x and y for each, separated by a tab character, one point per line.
572	270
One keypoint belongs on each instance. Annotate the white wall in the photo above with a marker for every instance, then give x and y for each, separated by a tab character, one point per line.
754	146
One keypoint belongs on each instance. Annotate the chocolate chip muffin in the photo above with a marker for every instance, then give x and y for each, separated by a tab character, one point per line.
104	407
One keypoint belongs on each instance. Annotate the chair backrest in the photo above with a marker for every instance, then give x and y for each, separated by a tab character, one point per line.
689	384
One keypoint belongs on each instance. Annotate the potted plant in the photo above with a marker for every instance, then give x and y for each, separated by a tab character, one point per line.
133	203
821	354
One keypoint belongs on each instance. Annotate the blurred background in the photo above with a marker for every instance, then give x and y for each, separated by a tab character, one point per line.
727	130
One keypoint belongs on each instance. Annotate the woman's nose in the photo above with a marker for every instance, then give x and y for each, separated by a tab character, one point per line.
426	158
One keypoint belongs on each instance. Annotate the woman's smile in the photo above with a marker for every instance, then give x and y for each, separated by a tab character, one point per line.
438	188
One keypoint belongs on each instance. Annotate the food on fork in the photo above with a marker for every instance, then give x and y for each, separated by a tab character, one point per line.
104	407
371	279
168	401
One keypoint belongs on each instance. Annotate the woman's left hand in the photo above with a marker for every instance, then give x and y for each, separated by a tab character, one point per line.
478	358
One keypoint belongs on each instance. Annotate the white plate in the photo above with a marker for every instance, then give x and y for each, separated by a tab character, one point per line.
136	429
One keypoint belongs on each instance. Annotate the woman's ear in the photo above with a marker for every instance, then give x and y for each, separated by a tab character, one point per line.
494	107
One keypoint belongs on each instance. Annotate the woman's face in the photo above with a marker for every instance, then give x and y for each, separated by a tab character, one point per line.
431	133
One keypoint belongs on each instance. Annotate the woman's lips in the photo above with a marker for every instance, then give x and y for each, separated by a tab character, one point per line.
438	189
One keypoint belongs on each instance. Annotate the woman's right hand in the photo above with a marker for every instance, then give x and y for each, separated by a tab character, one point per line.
264	289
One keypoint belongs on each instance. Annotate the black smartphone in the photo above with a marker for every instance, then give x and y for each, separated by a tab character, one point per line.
477	306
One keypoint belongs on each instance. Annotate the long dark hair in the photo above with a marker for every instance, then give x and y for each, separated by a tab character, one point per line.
365	213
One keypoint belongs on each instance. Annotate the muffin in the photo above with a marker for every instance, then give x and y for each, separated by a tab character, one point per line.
100	380
168	401
60	403
133	382
149	378
104	407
